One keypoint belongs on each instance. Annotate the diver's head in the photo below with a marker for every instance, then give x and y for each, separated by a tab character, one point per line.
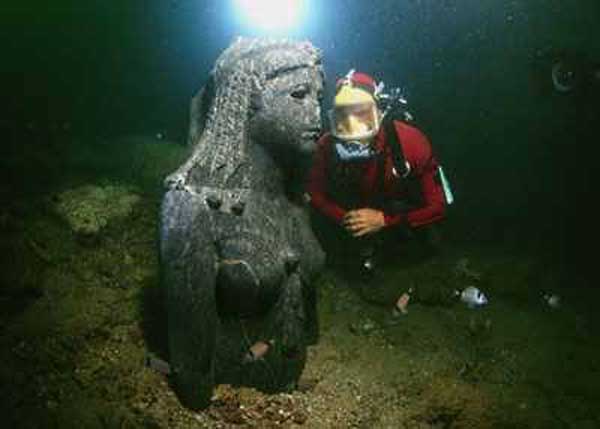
355	116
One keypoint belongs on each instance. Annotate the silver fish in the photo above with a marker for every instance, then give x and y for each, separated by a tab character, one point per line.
472	296
552	299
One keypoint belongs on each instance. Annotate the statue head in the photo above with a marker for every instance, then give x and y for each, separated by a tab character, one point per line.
262	92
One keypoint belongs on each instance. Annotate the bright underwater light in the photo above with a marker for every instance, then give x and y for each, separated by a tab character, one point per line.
271	15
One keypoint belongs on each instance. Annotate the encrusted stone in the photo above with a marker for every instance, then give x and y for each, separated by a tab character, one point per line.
252	137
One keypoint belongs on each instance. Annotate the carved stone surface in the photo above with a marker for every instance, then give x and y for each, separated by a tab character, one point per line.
238	257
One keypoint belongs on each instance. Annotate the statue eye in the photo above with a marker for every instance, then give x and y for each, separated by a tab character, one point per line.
300	93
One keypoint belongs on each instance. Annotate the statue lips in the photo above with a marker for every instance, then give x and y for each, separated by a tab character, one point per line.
309	140
312	134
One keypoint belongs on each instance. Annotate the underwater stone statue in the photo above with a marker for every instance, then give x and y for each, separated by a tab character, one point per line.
238	257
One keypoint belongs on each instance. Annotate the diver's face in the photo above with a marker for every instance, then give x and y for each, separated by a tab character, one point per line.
287	115
356	122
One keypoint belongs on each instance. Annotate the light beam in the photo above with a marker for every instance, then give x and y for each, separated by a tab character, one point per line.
271	15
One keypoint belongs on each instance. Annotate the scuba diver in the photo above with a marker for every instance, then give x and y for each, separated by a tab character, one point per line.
375	181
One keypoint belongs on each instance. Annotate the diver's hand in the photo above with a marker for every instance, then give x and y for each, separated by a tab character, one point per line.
363	221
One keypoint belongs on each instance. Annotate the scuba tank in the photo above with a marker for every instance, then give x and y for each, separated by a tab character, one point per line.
394	102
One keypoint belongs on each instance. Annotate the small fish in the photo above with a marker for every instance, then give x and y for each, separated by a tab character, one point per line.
552	299
472	296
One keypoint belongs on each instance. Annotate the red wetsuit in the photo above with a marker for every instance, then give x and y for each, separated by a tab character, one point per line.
368	183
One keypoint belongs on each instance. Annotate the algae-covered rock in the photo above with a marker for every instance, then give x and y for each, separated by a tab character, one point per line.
89	209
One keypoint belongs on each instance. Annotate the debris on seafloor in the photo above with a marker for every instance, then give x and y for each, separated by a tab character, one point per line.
247	407
401	307
463	269
472	296
257	351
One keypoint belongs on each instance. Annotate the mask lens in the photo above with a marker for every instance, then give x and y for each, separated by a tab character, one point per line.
355	121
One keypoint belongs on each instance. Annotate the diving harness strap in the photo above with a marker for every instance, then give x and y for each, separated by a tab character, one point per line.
402	167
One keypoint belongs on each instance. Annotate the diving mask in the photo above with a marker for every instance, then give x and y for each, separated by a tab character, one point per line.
355	122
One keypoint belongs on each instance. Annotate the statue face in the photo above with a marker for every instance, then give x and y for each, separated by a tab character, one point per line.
287	114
